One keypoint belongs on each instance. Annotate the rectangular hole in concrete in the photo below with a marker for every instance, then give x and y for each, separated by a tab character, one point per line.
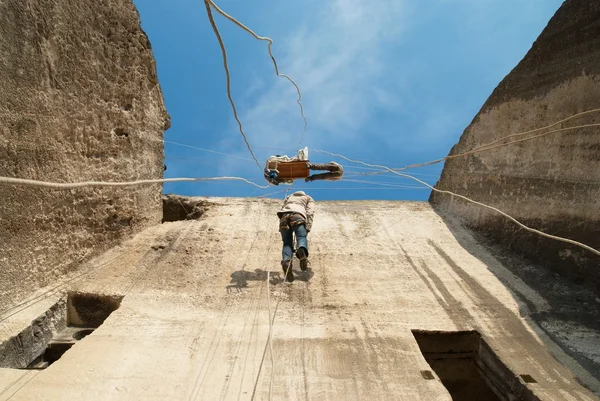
90	310
469	369
427	375
528	379
57	330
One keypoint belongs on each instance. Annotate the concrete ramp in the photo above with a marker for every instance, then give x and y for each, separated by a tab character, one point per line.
395	306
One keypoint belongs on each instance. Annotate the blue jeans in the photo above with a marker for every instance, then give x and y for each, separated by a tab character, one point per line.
288	240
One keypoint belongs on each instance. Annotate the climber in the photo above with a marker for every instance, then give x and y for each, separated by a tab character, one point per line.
284	170
295	217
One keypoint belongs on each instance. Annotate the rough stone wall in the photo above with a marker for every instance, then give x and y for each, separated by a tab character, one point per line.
551	183
79	100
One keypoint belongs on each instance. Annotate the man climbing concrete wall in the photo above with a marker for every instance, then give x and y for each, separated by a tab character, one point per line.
551	183
79	100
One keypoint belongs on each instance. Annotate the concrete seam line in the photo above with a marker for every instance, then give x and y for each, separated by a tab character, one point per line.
533	230
270	43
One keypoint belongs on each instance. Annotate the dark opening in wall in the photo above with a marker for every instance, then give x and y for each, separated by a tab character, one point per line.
176	208
90	310
78	335
57	330
51	354
121	132
469	369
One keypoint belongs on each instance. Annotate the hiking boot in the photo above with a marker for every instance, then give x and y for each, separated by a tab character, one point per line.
286	266
301	254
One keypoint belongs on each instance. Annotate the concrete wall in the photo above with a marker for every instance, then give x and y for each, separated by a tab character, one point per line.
551	183
79	100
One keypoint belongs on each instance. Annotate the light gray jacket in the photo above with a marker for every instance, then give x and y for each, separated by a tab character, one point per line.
299	202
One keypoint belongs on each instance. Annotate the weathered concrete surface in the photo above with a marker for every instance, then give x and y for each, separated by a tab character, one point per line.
79	100
194	320
551	183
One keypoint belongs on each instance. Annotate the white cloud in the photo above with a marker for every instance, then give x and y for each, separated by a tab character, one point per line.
337	57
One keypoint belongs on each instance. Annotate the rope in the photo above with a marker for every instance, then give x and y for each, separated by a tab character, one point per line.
354	189
228	79
272	193
488	146
485	147
203	149
270	41
385	184
14	309
496	144
71	185
546	127
533	230
272	320
270	335
269	311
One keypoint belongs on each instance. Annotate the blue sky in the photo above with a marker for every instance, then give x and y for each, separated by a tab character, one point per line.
391	82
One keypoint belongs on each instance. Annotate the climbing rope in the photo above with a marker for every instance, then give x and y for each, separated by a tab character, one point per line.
203	149
71	185
497	143
270	43
486	147
533	230
583	113
272	320
228	79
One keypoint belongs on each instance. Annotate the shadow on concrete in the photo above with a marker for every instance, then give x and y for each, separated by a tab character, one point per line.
240	278
304	276
574	309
